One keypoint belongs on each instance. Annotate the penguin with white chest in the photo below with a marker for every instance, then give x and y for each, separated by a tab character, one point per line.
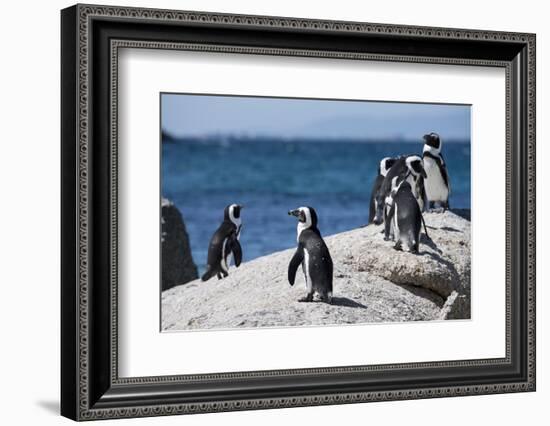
225	244
312	253
383	168
437	183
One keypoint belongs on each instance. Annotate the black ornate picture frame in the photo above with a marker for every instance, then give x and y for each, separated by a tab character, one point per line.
90	385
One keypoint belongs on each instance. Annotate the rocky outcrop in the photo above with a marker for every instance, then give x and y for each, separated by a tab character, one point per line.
372	283
442	267
177	262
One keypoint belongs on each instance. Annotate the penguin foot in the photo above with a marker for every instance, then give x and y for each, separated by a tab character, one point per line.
398	246
308	298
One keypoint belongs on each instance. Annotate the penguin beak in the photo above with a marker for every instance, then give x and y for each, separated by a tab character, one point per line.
294	213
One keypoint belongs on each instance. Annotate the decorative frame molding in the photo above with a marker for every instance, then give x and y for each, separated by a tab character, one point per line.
91	37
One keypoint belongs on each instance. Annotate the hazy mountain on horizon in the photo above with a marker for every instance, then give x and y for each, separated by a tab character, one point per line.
199	116
168	137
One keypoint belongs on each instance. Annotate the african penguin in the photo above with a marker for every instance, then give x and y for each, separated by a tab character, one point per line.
409	168
312	253
385	165
416	178
405	214
437	183
225	242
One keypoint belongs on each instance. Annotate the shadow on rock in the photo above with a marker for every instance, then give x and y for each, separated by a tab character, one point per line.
425	293
452	270
448	228
349	303
430	243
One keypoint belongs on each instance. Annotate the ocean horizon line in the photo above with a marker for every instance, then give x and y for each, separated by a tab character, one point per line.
232	138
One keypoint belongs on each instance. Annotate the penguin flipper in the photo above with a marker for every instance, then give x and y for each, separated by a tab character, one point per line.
423	194
372	209
294	263
237	251
444	173
388	217
208	274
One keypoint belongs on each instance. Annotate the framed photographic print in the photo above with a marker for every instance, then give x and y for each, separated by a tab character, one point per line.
263	212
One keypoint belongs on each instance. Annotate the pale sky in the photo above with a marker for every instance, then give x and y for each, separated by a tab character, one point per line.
200	115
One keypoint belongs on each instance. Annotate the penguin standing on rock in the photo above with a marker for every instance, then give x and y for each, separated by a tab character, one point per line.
312	253
437	183
224	243
405	216
410	168
385	165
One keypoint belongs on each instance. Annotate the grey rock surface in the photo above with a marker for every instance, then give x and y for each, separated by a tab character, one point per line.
177	261
372	283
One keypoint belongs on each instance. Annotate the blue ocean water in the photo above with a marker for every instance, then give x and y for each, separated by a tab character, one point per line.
270	178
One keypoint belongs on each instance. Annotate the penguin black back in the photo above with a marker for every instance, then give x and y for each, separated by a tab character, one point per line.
383	168
405	216
224	244
398	168
408	167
